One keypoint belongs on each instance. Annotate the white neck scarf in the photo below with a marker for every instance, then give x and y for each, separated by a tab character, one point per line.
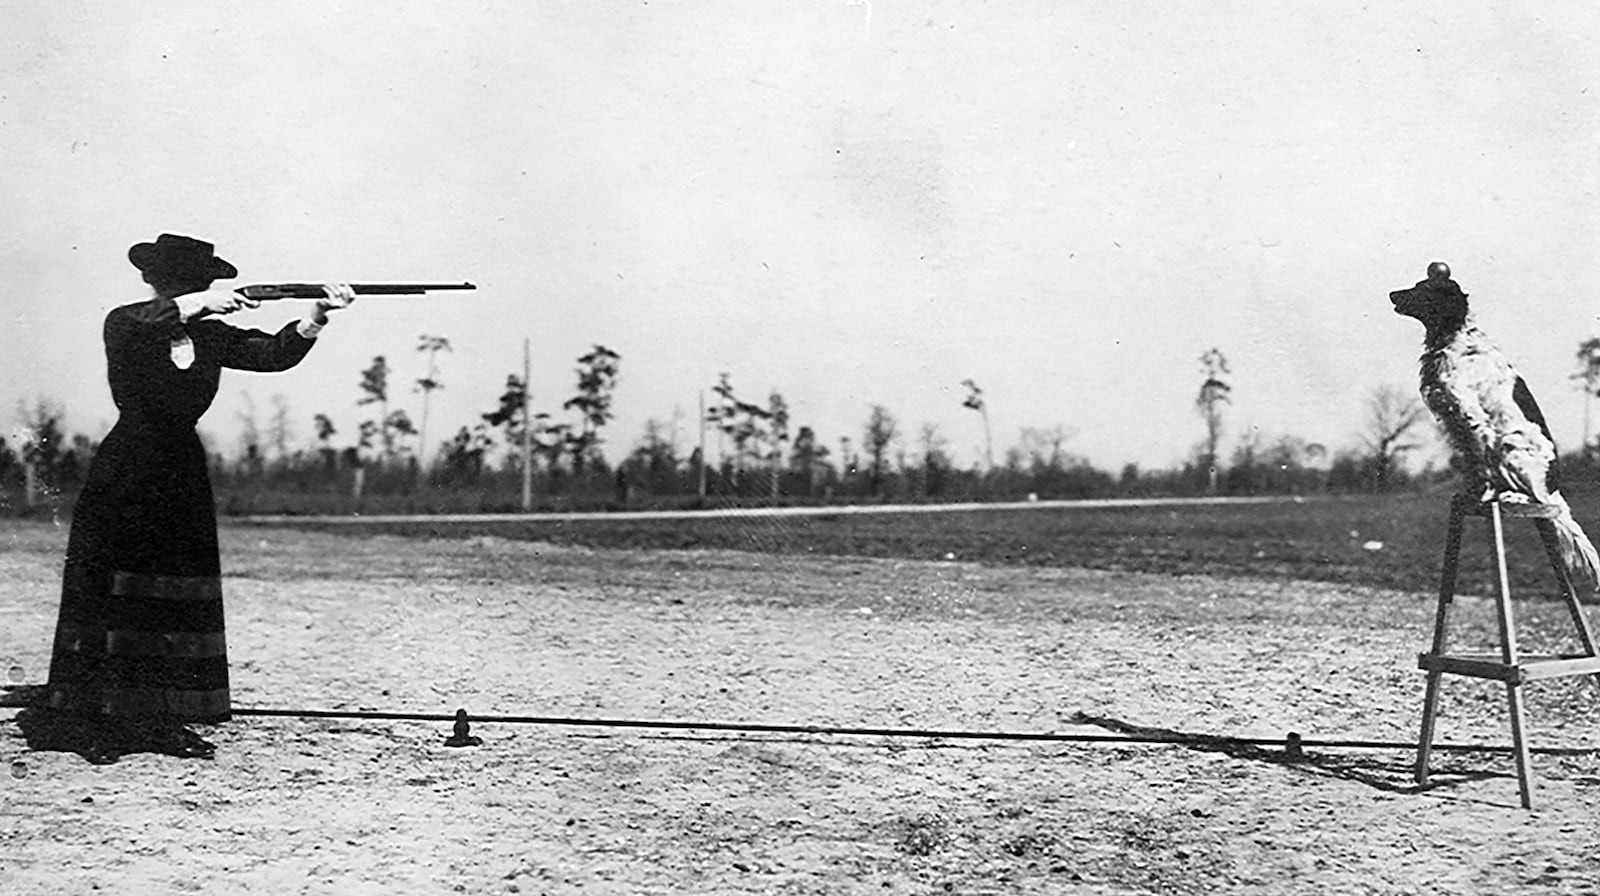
182	350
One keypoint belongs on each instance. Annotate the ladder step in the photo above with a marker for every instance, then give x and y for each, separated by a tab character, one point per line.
1528	668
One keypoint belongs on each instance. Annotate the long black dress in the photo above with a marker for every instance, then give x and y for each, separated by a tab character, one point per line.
140	630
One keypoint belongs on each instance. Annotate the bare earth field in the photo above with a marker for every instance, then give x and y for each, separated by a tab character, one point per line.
340	621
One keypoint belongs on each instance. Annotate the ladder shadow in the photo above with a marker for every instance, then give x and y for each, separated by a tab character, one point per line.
1384	771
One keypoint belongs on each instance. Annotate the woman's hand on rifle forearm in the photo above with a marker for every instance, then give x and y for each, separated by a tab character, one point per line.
337	296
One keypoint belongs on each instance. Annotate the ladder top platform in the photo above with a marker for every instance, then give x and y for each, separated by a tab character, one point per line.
1522	509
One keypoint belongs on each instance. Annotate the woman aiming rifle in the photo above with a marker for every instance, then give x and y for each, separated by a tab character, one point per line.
139	649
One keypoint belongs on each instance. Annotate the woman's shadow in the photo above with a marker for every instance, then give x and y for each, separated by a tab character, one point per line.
98	739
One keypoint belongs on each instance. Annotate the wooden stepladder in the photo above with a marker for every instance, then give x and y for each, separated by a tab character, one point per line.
1510	665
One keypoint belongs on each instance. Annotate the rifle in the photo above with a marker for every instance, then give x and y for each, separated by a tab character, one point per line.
269	291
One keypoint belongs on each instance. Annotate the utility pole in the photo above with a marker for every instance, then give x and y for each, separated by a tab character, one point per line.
527	430
702	444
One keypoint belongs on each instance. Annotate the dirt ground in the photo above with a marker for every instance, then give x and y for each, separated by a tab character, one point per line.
502	627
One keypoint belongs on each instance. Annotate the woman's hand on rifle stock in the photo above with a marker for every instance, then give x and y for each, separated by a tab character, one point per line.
218	300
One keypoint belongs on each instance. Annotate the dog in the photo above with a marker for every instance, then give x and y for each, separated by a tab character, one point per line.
1501	442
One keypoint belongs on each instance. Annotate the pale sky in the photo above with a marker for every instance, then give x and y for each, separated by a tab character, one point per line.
852	204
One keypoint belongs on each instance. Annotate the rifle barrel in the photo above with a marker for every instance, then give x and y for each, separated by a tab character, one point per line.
381	289
269	291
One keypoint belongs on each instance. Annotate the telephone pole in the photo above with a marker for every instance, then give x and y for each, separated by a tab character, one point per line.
527	430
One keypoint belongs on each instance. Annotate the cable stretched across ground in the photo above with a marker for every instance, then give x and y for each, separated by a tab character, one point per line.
1121	732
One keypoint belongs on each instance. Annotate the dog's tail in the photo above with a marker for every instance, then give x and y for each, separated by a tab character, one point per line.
1577	551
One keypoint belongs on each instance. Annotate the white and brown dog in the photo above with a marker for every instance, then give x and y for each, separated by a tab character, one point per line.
1502	444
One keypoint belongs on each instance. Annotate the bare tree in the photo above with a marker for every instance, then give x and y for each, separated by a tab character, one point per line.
935	459
43	439
880	433
509	416
597	381
400	427
374	387
1292	458
548	441
722	414
757	432
809	457
279	429
933	444
777	436
976	402
1043	445
249	438
1392	417
654	460
1589	375
430	346
323	425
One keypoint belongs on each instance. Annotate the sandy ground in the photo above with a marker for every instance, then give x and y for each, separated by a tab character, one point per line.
499	627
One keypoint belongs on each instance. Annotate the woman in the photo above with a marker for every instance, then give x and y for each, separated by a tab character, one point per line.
139	647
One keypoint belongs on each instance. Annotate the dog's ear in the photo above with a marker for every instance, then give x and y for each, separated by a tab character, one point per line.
1448	294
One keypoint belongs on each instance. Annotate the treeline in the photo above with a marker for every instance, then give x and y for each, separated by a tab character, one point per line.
482	469
737	450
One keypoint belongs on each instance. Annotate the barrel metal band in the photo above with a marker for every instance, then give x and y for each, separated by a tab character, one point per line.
165	701
151	585
94	640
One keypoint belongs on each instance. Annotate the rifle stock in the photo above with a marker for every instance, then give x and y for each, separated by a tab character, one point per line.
269	291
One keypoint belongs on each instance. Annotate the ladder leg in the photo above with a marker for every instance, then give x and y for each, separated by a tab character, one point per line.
1441	624
1509	656
1547	534
1430	713
1519	743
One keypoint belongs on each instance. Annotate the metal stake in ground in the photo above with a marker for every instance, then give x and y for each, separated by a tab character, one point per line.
462	737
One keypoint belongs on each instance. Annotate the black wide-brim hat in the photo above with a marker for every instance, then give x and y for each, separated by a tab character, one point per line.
174	257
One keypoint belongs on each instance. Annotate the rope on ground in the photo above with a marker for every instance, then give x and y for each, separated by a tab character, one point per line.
1292	744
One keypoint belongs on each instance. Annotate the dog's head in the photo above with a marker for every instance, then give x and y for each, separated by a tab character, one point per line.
1437	301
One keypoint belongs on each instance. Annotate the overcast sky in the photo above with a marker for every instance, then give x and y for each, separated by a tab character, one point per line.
850	203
